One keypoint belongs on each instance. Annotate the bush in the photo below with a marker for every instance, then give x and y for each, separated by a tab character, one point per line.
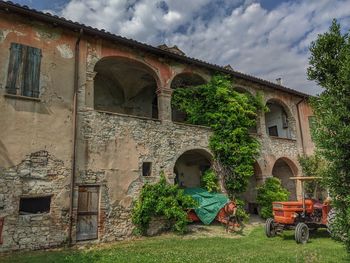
269	192
242	215
162	199
209	181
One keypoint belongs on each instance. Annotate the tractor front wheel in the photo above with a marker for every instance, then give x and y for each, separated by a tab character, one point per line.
270	230
301	233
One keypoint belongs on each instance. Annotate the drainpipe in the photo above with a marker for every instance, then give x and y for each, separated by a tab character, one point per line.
300	127
75	116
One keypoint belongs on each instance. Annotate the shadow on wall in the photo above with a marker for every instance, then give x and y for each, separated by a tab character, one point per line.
190	166
125	86
5	161
282	170
27	105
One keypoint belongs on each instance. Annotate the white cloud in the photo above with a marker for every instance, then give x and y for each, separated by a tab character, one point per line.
264	43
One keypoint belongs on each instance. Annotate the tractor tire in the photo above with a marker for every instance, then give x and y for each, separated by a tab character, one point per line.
270	228
301	233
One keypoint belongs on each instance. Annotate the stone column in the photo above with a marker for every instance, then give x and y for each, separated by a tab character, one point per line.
89	89
164	104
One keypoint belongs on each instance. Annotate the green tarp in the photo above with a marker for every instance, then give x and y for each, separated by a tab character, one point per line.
209	203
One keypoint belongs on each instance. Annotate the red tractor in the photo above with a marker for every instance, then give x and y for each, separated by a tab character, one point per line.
302	216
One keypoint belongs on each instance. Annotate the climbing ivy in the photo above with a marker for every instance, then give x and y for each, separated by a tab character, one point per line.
162	199
209	181
229	114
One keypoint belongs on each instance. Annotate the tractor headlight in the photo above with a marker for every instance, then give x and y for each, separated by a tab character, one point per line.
295	215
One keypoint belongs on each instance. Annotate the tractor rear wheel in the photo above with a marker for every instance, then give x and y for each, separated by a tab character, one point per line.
270	230
301	233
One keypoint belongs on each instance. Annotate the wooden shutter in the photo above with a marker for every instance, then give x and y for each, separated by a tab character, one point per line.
24	70
32	72
13	85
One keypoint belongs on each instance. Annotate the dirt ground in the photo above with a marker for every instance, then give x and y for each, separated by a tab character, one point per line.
199	230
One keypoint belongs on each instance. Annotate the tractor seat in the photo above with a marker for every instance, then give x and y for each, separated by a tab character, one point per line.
317	204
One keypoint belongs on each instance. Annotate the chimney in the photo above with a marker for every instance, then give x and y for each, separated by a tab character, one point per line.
279	81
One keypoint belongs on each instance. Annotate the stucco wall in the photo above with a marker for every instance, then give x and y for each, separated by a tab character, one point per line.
36	136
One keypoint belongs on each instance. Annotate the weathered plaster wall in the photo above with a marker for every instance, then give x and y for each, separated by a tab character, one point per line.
115	147
36	136
305	113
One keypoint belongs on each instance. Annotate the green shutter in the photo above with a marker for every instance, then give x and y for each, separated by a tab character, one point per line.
32	72
24	70
14	69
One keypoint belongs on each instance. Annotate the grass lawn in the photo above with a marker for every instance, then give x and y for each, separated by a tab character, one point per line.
254	247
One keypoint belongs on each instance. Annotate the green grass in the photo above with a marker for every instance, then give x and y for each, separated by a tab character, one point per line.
254	247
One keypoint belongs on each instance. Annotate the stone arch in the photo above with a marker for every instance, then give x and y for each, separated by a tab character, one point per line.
185	79
279	120
242	89
283	169
126	86
190	165
250	195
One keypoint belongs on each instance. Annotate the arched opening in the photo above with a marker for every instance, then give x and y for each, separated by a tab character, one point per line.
184	80
190	166
125	86
277	120
250	195
283	169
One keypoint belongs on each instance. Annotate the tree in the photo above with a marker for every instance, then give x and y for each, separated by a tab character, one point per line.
329	66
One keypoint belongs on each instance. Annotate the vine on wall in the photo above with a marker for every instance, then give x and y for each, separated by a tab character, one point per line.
229	114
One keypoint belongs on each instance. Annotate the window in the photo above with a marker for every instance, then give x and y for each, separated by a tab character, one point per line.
146	168
273	131
23	70
34	205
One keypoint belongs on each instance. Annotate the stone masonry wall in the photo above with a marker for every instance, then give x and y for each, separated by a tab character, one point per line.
39	174
115	147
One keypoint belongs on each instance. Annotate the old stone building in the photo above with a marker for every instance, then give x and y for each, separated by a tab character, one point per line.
86	120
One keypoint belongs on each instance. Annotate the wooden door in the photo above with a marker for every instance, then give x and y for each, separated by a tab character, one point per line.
88	200
1	226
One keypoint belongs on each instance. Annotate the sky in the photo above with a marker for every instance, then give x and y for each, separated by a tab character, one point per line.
267	38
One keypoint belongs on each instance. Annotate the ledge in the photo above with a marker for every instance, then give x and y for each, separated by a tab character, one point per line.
191	125
20	97
126	115
282	138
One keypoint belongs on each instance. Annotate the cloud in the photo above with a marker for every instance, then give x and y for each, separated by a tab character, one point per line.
265	43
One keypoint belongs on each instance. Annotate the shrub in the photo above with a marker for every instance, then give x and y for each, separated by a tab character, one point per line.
162	199
269	192
209	181
242	215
